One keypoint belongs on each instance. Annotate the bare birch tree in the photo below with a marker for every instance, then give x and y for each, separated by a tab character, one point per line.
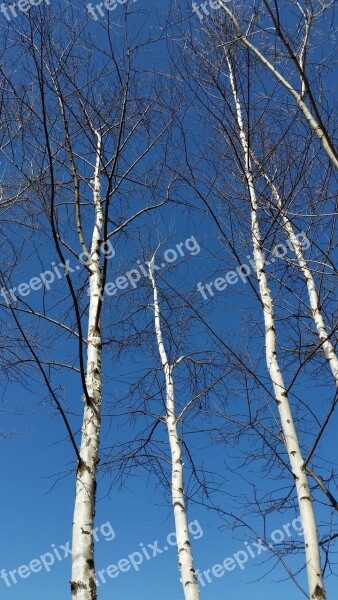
313	563
216	108
186	564
85	150
91	150
321	328
168	397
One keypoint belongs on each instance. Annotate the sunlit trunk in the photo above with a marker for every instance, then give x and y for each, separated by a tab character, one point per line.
317	316
313	564
83	584
185	559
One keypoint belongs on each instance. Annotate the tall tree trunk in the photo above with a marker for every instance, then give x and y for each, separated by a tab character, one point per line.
312	553
317	316
185	559
83	584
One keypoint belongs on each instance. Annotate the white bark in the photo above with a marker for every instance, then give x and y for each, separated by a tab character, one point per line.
313	564
317	316
185	559
314	125
83	584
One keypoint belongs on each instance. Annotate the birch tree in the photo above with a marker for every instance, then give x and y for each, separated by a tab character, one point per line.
93	150
186	565
313	563
170	393
216	108
85	152
321	328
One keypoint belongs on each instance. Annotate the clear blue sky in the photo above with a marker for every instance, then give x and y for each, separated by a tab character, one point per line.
38	490
33	519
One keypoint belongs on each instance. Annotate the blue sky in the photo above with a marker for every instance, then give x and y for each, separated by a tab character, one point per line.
37	460
33	518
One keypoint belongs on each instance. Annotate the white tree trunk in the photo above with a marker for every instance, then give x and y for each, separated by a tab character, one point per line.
314	125
185	559
83	584
313	564
310	284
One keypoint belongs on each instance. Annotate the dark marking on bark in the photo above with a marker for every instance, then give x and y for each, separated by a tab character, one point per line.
75	586
92	586
319	593
95	332
82	467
